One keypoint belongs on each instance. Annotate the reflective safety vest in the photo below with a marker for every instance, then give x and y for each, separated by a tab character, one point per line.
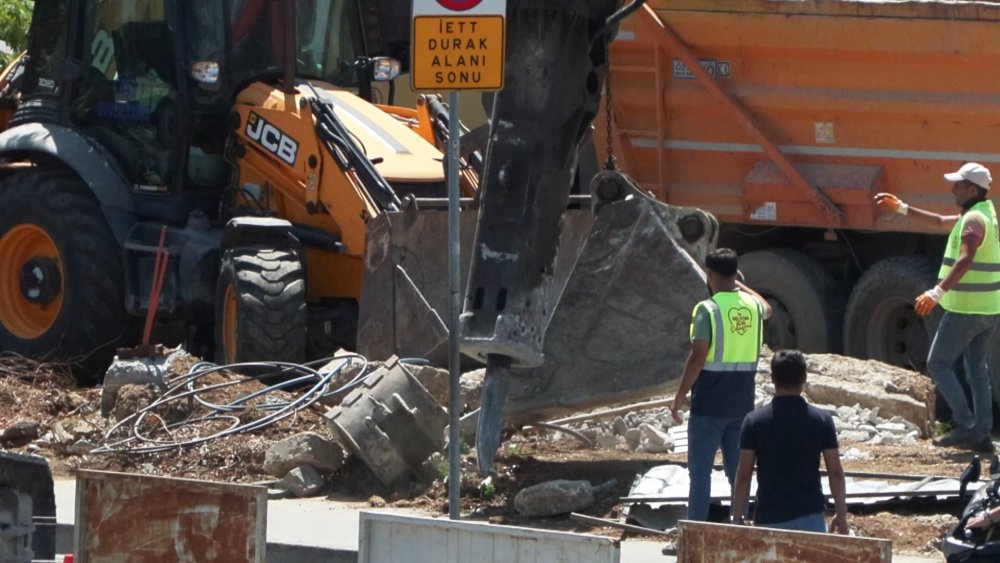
978	290
737	331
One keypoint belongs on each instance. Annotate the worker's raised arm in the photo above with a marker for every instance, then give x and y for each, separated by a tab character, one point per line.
886	203
764	305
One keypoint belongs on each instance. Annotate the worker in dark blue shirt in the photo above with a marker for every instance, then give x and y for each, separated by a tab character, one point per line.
785	440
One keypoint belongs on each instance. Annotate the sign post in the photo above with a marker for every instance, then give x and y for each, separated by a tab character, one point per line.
456	45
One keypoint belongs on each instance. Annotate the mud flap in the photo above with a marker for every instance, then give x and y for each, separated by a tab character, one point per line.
29	476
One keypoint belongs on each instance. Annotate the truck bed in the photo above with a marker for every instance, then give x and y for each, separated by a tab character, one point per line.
856	96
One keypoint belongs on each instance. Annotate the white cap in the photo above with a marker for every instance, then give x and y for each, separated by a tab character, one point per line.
973	172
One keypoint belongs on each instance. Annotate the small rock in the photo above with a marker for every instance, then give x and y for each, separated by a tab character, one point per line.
853	436
81	447
553	498
376	501
302	481
606	441
19	434
632	437
654	436
894	427
619	426
306	448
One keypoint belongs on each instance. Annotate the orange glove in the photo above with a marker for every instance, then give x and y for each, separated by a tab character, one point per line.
888	203
928	300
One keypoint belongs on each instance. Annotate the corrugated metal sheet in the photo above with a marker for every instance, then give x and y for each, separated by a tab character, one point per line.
393	538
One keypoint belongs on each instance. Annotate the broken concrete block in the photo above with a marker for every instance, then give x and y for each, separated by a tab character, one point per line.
307	448
632	438
553	498
654	435
619	426
303	481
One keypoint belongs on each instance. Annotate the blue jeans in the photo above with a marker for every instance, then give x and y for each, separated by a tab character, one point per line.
705	435
808	523
967	336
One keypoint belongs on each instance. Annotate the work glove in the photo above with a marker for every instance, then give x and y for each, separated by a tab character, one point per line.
888	203
927	300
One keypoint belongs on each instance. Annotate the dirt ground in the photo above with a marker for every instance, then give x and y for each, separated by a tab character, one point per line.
50	414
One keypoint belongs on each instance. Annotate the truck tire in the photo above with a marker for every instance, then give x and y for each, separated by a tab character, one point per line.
62	285
261	306
880	323
808	306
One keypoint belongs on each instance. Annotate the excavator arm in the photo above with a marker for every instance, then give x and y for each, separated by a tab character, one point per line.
556	65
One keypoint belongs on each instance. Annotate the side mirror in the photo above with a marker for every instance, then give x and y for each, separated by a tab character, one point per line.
205	72
384	69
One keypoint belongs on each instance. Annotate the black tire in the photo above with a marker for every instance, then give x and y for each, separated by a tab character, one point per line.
268	320
88	286
808	306
881	324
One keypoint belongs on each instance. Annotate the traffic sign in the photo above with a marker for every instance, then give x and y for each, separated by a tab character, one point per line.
458	44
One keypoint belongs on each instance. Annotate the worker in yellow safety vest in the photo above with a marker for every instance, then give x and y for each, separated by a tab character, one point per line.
968	289
726	336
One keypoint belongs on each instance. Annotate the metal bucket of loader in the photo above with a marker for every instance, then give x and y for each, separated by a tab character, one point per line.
620	299
404	297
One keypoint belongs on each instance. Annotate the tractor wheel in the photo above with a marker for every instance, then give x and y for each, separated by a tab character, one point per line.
62	286
808	307
880	323
261	306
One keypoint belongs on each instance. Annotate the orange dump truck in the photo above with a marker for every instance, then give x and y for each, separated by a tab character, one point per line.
784	119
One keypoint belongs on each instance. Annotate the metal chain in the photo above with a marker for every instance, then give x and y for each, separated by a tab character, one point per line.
609	164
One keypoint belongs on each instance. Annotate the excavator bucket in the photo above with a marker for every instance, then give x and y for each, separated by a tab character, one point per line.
404	297
619	300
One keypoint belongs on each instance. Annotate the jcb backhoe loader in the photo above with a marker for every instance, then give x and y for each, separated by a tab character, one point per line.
298	214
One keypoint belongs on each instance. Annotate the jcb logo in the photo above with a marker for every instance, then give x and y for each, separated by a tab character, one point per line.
271	138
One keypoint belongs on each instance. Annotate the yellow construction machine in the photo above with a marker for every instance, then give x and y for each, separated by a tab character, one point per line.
238	150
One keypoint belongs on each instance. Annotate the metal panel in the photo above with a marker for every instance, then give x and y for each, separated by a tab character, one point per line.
722	543
392	538
140	519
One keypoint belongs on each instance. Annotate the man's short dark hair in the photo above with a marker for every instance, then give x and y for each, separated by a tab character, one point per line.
788	368
722	261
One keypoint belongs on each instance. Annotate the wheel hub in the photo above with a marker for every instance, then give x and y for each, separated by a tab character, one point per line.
40	281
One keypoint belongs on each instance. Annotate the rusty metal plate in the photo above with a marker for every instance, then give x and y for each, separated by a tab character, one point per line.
721	543
123	518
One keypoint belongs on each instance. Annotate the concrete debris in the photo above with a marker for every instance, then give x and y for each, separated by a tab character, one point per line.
19	434
632	438
898	394
871	403
302	481
553	498
306	448
151	370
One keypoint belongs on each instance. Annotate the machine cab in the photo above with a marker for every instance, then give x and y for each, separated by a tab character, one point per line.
153	81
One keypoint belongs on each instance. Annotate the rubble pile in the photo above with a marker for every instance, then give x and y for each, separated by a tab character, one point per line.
871	402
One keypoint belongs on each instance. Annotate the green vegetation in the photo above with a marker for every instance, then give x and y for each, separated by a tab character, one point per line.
15	17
